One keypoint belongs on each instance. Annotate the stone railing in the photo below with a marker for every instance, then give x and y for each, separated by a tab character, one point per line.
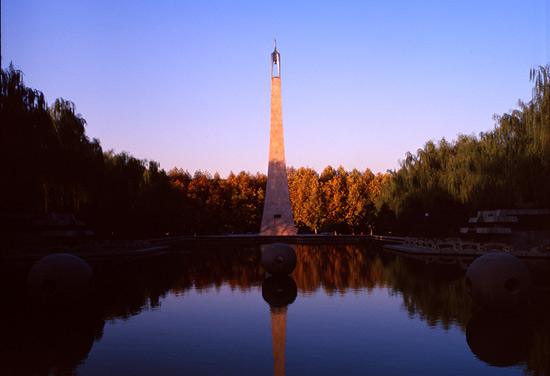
455	245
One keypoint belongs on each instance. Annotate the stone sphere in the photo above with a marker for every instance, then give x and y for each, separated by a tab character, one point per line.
498	281
60	279
279	291
499	341
278	258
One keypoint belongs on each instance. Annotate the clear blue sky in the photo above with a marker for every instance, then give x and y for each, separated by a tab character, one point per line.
186	83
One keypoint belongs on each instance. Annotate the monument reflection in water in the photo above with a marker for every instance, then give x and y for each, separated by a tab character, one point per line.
345	310
279	292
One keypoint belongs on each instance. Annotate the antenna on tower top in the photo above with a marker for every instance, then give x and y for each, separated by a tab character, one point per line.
275	61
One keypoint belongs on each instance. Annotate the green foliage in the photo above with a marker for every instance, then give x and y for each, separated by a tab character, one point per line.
504	168
48	160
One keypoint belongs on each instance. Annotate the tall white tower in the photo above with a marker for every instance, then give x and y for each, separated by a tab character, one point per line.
277	217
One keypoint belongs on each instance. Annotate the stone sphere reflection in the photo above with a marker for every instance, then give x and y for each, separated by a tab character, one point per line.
498	281
279	291
499	341
44	342
60	278
278	258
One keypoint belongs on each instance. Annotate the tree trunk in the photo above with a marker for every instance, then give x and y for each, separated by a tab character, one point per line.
45	191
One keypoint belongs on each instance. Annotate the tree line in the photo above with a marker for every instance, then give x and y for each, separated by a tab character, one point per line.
507	167
51	165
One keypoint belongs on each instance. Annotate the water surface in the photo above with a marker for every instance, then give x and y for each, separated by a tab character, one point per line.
345	310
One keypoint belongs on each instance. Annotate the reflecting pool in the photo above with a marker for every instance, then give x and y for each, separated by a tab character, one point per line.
347	310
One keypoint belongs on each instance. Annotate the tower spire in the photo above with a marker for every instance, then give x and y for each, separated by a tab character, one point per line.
275	61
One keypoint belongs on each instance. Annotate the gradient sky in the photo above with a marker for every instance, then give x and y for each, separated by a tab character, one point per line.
186	83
